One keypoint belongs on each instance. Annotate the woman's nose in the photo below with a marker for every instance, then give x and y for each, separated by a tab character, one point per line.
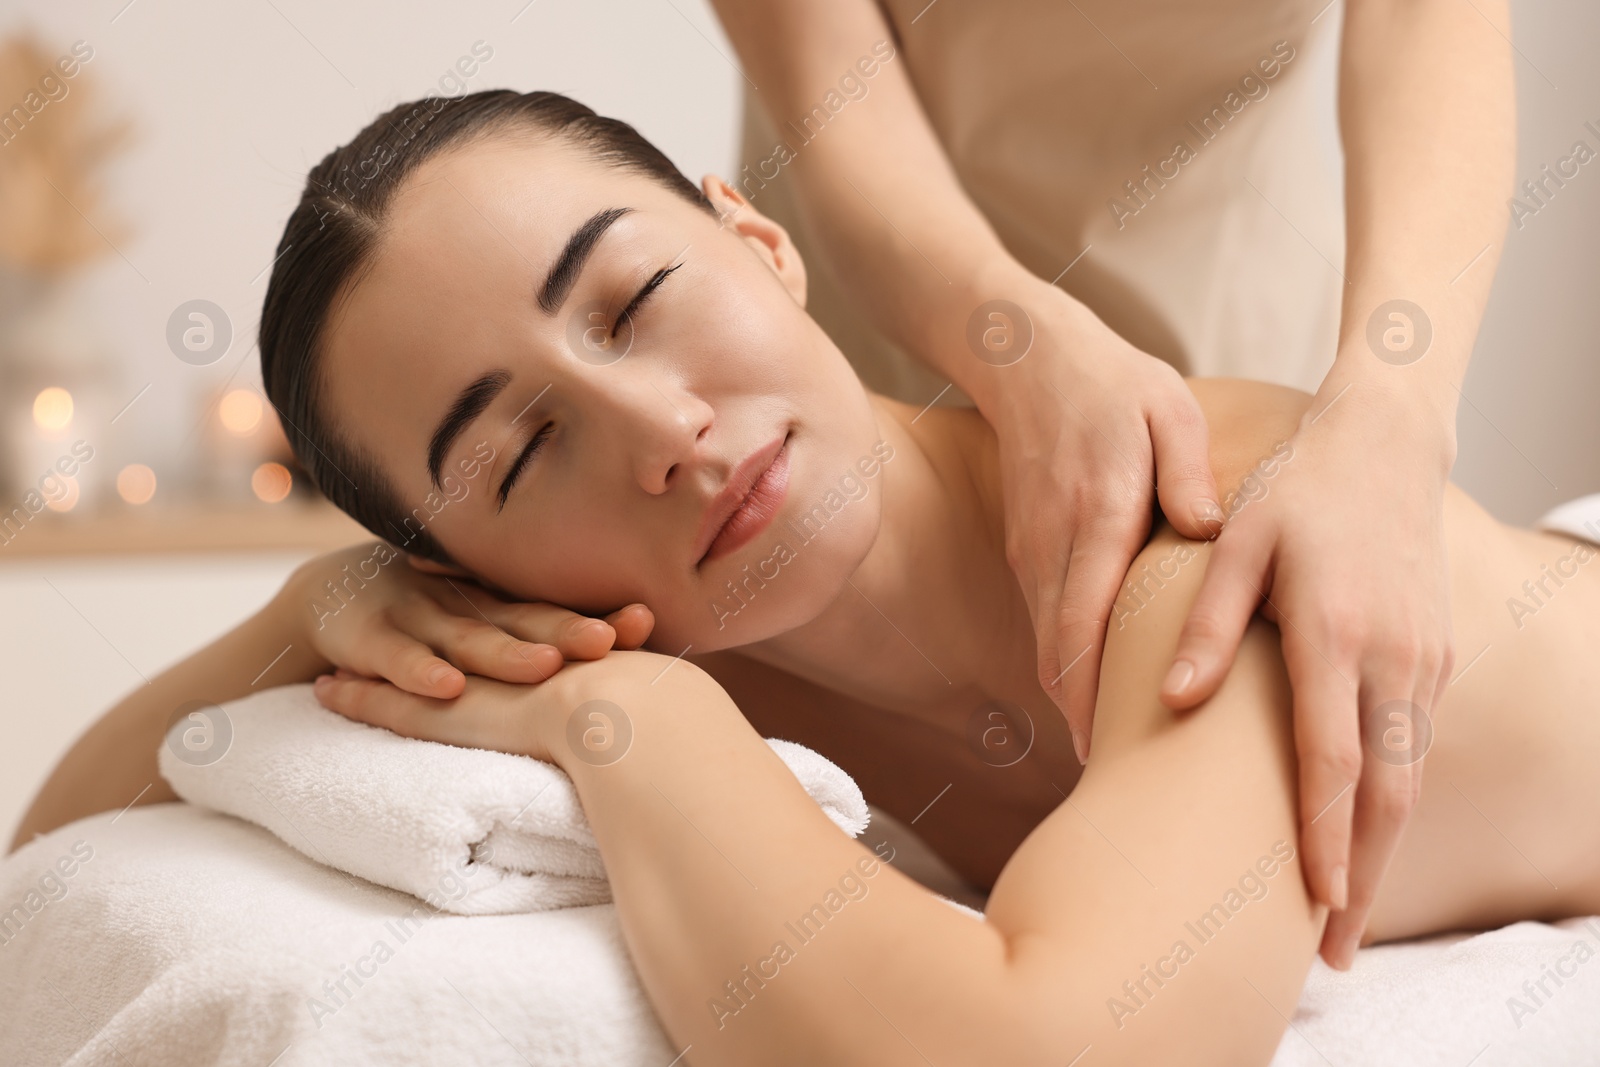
659	425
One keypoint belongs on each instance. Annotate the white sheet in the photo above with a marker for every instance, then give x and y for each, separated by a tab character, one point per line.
194	938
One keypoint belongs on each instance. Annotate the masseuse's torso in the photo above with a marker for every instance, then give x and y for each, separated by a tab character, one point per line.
1222	260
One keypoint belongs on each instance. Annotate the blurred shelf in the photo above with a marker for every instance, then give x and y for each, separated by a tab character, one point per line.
317	526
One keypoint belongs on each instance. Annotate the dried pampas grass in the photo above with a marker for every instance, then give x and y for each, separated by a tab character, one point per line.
54	144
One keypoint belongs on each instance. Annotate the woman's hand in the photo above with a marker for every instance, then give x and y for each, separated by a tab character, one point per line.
582	715
1089	429
368	610
501	716
1346	545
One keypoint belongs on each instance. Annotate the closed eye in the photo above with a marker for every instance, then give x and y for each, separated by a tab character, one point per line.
537	441
643	295
527	453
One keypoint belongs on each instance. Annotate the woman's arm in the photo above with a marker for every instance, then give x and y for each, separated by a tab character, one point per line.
1160	914
1089	427
1175	815
762	934
1349	548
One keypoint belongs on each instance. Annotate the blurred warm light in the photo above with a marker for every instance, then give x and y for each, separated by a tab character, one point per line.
52	409
69	499
241	411
136	483
271	482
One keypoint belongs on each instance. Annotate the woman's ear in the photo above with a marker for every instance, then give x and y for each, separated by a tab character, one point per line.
428	566
769	240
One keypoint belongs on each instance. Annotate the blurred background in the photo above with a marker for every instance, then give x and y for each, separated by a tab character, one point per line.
147	497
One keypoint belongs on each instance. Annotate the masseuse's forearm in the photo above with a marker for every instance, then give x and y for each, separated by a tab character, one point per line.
114	763
715	853
875	184
1427	114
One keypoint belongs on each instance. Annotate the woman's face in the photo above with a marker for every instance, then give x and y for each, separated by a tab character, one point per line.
591	457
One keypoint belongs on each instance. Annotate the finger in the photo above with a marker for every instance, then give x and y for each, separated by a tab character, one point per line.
475	645
393	654
575	636
1235	577
1396	736
1327	740
1184	482
488	715
1043	591
378	703
633	625
1385	798
1100	559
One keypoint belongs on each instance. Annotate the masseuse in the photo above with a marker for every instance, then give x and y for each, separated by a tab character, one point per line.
1058	207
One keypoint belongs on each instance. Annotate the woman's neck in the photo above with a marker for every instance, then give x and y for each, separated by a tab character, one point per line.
932	619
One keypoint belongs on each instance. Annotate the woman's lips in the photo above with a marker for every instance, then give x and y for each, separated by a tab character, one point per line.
760	507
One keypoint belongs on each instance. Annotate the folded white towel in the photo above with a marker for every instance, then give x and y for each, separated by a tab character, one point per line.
415	815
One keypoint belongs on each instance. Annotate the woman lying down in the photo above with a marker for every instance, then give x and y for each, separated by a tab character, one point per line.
612	378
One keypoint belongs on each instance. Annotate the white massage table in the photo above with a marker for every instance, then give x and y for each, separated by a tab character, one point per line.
192	938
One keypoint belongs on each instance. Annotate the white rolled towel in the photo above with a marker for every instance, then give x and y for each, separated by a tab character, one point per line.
471	831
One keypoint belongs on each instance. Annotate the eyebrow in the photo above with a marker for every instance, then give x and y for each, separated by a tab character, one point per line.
476	397
564	275
469	405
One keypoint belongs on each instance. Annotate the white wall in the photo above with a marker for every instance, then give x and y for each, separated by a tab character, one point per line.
1528	430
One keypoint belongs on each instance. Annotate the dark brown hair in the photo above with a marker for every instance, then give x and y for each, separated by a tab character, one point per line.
329	239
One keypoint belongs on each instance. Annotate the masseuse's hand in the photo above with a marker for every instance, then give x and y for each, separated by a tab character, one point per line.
1347	545
1089	429
383	618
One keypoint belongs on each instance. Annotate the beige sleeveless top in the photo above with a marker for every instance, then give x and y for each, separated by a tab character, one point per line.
1189	145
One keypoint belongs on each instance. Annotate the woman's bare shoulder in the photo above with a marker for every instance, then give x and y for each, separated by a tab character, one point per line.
1248	423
